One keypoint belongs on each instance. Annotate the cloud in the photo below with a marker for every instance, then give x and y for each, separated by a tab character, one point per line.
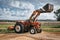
15	4
47	16
57	2
15	14
23	5
22	9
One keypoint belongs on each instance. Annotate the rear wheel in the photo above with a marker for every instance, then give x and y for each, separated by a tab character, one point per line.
33	30
19	28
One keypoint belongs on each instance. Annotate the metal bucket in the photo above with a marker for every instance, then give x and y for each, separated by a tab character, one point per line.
48	7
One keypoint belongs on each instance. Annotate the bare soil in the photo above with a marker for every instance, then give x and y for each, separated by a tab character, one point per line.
28	36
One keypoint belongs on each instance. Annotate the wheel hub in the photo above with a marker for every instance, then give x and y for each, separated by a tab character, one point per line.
18	28
32	30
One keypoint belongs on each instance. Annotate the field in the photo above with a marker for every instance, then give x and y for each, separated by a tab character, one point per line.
51	31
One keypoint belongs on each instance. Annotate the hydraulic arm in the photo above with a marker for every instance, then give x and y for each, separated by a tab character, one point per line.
47	8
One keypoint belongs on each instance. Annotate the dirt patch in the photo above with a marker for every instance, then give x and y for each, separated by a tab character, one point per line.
28	36
55	33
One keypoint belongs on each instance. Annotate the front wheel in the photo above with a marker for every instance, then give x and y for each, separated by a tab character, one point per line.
33	30
39	30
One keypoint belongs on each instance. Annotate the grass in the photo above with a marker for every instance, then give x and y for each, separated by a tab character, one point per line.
3	28
45	28
57	26
6	31
5	25
51	29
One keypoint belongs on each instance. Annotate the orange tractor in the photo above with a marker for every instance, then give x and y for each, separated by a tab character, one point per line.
32	25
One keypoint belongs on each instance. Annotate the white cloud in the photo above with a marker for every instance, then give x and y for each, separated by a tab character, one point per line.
47	16
22	5
17	14
56	7
6	13
15	3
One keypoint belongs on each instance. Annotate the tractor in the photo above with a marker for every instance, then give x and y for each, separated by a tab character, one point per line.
32	25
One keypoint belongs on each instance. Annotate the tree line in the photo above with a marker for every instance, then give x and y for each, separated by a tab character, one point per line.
57	13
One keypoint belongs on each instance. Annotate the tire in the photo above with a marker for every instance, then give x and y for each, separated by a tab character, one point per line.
33	31
19	28
39	30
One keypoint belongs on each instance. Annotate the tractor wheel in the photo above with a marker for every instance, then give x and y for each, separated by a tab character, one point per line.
33	30
19	28
39	30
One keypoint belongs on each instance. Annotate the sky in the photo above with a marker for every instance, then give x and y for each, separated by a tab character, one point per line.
22	9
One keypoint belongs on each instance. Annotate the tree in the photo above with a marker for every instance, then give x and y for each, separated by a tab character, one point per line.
57	13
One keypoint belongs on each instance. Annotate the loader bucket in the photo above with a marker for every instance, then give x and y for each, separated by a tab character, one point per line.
48	7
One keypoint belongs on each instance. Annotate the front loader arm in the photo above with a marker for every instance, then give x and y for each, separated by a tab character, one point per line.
46	9
36	13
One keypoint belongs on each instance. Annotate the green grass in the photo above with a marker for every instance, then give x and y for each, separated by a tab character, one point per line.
51	29
6	31
58	26
5	25
3	28
43	27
